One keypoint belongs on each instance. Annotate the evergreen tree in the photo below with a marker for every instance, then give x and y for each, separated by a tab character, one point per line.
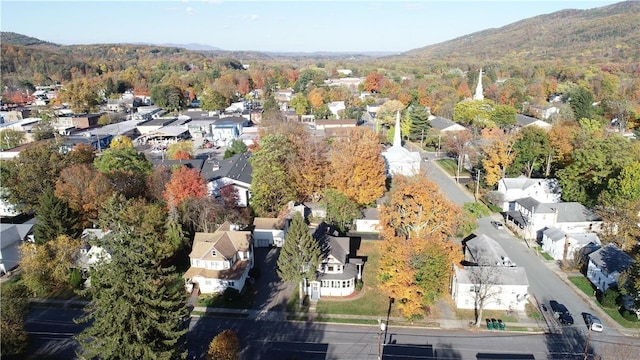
420	123
53	218
139	306
300	255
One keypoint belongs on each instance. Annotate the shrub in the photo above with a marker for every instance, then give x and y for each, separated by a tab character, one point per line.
75	278
359	285
629	315
609	298
230	294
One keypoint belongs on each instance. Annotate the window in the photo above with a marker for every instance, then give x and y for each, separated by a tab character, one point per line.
330	268
474	288
213	252
230	283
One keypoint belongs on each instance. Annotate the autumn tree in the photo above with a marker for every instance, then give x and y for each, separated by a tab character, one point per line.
169	97
373	82
121	141
308	169
47	266
341	211
476	114
54	218
360	176
81	94
300	104
82	154
316	97
10	138
156	182
386	115
84	189
592	166
214	100
14	308
458	143
185	183
532	150
126	168
300	255
561	138
498	156
272	186
179	149
134	288
34	170
224	346
416	224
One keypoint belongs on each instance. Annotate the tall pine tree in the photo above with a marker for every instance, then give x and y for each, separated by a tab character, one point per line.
139	306
420	123
300	255
53	218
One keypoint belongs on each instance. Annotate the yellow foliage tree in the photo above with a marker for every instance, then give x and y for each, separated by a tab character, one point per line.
121	141
417	254
316	97
498	155
224	346
178	149
356	166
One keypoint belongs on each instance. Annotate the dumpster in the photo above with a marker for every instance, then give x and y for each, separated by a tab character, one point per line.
501	324
496	325
489	324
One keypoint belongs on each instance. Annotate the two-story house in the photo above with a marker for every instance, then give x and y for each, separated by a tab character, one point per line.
512	189
219	260
338	271
605	266
11	237
530	217
488	272
565	246
235	171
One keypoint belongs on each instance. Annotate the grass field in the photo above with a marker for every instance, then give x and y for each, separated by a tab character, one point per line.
583	284
451	167
371	301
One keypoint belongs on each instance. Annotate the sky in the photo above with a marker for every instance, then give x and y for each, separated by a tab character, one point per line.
268	25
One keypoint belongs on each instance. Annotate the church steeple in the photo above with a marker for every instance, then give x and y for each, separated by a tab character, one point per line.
397	141
478	95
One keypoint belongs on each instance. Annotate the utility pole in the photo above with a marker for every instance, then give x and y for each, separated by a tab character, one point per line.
586	344
477	184
422	140
381	329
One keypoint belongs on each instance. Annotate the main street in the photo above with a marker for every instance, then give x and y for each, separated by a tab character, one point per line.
51	333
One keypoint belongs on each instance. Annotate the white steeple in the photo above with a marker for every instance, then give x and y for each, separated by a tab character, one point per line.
478	95
397	141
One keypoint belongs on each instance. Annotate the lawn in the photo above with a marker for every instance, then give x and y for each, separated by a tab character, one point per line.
370	301
467	314
245	300
582	283
546	256
451	167
585	285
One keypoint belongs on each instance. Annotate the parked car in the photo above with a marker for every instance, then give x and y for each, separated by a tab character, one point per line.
561	313
593	323
498	225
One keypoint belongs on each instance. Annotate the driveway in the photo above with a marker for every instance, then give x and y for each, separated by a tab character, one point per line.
272	293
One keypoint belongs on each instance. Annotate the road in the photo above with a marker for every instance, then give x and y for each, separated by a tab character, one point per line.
51	332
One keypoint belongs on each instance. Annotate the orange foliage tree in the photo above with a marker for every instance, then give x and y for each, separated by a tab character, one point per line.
373	82
84	189
417	253
356	166
185	183
498	155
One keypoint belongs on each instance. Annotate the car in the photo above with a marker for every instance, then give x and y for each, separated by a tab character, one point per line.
498	225
561	313
593	323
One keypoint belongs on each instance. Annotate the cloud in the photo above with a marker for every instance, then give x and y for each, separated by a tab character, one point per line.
253	17
189	10
413	6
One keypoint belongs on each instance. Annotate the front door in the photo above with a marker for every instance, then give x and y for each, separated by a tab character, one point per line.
315	291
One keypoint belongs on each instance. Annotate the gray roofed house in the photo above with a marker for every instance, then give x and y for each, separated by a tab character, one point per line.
606	265
11	237
512	189
483	250
235	171
339	270
529	217
564	246
444	124
524	121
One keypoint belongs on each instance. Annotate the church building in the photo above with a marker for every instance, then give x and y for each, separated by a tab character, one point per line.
399	160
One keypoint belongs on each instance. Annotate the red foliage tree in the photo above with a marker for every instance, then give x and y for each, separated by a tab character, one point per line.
185	183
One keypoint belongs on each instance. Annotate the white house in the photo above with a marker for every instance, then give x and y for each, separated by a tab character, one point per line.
504	287
235	171
335	107
11	237
269	231
524	121
369	222
563	246
338	271
605	266
512	189
400	161
530	217
91	254
7	209
219	260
